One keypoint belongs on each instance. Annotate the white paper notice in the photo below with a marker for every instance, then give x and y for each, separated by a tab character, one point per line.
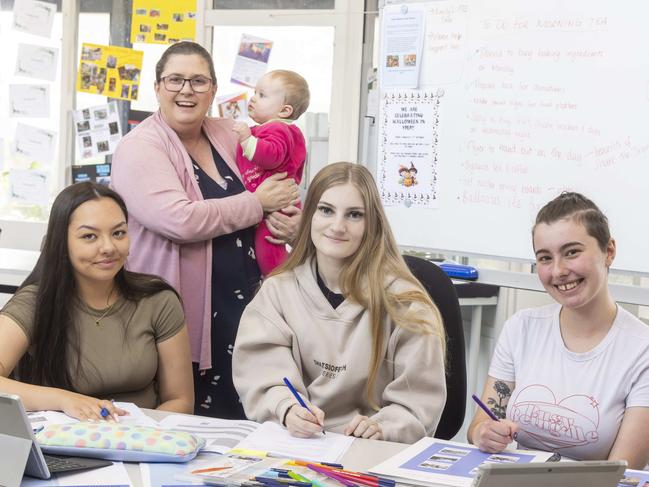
33	143
34	17
402	40
29	186
407	165
98	130
36	61
29	100
251	61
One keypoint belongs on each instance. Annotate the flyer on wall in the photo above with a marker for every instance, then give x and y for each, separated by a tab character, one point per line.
408	125
252	60
402	40
98	130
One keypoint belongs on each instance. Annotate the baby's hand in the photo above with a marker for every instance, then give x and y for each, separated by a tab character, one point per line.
242	129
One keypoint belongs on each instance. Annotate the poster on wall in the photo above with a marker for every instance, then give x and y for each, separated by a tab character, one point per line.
408	127
110	71
252	60
234	106
34	144
31	101
402	40
38	62
98	130
29	186
34	17
98	173
163	21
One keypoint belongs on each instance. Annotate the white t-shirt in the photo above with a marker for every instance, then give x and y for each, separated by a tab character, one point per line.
570	402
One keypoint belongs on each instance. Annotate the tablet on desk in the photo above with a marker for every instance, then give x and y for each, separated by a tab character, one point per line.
602	473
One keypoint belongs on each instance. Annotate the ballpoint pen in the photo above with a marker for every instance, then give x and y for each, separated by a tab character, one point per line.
299	398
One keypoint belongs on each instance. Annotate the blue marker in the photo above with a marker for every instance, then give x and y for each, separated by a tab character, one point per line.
299	398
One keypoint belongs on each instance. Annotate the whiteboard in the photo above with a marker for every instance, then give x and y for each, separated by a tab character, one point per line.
537	98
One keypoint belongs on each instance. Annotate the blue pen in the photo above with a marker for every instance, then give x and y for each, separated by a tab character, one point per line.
299	398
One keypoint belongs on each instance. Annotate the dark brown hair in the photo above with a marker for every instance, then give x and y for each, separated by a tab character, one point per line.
185	48
55	345
579	208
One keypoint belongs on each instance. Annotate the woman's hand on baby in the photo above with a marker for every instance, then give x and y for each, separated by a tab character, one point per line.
86	408
242	130
364	427
301	423
284	225
276	192
493	436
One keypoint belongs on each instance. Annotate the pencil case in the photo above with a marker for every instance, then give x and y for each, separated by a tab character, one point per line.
119	442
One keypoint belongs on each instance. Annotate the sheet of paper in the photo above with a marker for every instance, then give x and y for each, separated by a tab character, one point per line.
233	106
34	143
159	474
639	478
29	186
407	163
432	461
402	40
114	475
110	71
220	435
98	130
274	439
29	101
38	62
252	60
163	21
40	419
135	417
34	17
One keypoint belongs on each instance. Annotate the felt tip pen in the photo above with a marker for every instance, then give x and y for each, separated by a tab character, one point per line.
304	463
299	399
484	407
282	482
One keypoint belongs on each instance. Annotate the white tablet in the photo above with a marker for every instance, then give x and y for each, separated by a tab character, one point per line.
590	473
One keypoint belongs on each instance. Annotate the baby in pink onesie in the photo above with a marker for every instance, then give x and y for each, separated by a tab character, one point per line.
273	146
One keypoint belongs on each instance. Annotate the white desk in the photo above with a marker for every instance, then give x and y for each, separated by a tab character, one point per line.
362	455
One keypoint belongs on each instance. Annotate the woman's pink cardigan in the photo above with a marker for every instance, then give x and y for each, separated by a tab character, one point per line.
170	224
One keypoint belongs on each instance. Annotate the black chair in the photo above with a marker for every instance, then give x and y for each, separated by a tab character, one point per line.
442	291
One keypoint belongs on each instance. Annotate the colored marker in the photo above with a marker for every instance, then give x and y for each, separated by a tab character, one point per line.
484	407
299	398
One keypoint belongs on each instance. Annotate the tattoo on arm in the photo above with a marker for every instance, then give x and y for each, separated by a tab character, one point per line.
496	406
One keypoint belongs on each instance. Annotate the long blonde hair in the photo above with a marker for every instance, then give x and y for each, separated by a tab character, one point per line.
370	268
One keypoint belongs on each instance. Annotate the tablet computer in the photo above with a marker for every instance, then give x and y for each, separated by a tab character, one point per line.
591	473
14	423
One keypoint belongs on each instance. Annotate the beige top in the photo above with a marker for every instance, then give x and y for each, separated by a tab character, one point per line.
290	329
118	358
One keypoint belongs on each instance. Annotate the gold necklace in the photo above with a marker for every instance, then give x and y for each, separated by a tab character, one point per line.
107	310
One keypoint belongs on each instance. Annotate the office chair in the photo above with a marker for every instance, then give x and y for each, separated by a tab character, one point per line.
442	292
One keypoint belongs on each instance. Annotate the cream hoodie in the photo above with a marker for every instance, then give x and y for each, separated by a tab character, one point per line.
290	329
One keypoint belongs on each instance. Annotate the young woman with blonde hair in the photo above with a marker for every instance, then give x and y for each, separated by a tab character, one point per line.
346	322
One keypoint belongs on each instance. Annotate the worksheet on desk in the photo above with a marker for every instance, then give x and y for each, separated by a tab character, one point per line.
274	439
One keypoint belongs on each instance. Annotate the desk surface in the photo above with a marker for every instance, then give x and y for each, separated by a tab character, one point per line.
362	455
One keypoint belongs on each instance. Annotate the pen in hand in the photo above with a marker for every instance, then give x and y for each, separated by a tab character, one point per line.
299	399
489	412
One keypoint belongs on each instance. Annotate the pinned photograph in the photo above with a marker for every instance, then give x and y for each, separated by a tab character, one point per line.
392	61
140	38
102	146
129	72
101	113
112	84
140	11
177	17
145	28
162	26
154	13
86	113
410	59
113	128
91	53
124	93
191	15
134	92
86	141
111	62
83	126
159	37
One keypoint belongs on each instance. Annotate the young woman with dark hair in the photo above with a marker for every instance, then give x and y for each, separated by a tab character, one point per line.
572	376
81	327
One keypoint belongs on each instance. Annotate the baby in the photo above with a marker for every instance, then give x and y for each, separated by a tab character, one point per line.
273	146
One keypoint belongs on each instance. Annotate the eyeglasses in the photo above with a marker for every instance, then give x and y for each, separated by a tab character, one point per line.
200	84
